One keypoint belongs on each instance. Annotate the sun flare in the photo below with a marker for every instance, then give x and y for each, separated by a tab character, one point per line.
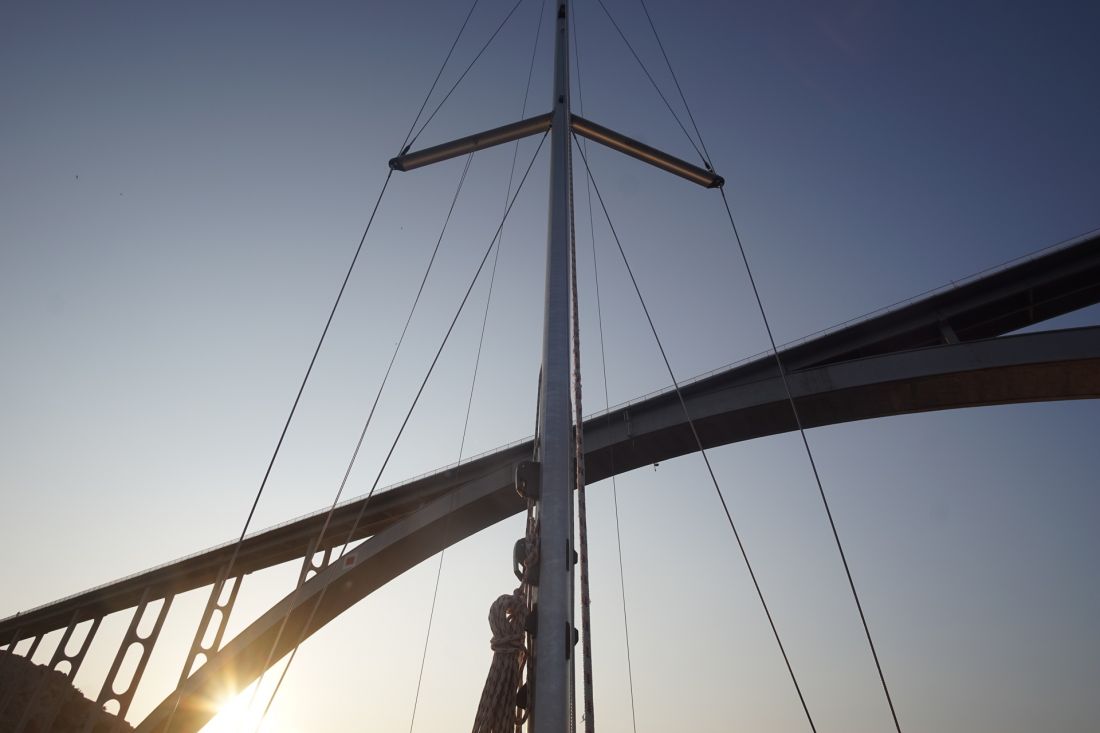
234	716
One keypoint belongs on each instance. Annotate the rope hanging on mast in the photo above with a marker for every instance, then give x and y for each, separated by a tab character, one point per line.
505	700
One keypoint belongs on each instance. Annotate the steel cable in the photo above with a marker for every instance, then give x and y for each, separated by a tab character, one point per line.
813	467
702	451
324	331
787	389
405	143
606	399
370	416
477	359
404	423
293	409
427	637
653	81
679	89
340	293
463	75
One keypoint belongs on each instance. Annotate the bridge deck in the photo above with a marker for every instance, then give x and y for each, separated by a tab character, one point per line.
1053	283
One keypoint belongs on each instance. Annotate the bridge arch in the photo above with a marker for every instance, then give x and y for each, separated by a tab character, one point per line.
731	406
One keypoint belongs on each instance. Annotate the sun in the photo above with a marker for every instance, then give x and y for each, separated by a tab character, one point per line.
234	716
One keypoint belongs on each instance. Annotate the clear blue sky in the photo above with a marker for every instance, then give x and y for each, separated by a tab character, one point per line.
181	188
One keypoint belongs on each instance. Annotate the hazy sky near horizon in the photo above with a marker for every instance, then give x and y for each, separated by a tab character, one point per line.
183	185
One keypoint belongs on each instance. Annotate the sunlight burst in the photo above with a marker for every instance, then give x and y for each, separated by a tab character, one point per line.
234	716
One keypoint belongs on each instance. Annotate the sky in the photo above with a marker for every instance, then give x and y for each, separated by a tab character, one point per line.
182	187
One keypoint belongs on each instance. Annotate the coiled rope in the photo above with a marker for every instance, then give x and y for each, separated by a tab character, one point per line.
501	709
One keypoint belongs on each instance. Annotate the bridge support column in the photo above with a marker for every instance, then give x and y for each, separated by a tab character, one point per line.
214	605
10	649
10	646
59	657
107	693
309	565
34	646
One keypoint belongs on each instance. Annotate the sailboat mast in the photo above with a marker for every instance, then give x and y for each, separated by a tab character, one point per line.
553	679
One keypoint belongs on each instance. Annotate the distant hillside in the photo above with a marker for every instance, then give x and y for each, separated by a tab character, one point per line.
60	708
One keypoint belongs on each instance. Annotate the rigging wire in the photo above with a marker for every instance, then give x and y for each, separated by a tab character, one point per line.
396	349
652	81
477	358
463	74
679	89
404	423
607	402
405	143
336	303
428	633
813	467
374	404
787	390
500	242
305	378
293	409
339	296
466	297
702	451
324	332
